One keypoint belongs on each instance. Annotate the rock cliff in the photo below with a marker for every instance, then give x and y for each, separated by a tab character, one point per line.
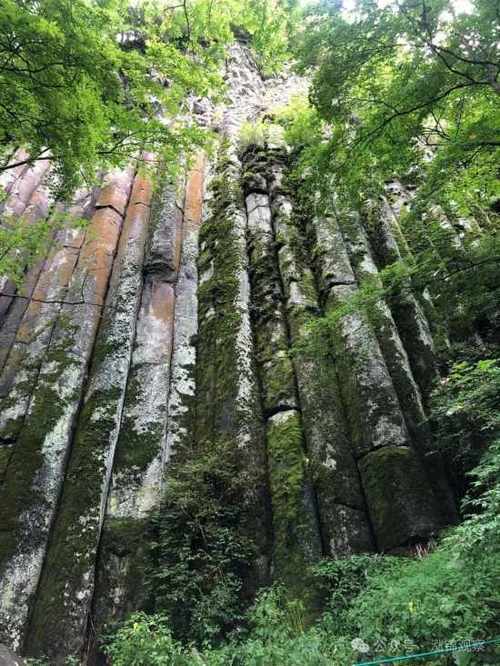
173	322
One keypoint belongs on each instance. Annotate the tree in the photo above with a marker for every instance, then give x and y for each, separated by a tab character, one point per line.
73	90
399	77
89	83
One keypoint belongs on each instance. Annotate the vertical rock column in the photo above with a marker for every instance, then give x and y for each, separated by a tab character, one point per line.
9	177
19	376
228	419
23	187
24	198
296	536
342	511
398	364
385	328
182	370
35	475
138	466
401	504
65	591
409	309
14	302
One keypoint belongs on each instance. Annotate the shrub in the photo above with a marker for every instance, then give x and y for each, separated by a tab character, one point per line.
145	640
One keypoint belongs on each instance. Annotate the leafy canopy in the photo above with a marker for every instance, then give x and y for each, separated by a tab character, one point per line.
407	90
402	80
89	83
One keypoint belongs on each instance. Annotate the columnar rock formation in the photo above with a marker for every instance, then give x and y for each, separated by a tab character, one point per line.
177	316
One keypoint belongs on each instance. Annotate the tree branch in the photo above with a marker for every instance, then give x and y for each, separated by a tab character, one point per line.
28	160
417	107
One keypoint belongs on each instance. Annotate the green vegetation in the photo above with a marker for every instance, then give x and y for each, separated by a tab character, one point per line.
88	84
404	93
83	81
199	554
209	527
407	92
391	605
398	80
445	594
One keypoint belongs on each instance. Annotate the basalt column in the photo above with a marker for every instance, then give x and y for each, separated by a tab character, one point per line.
14	304
26	197
296	534
10	177
401	503
149	415
65	591
24	359
228	419
394	353
389	245
182	374
331	464
398	363
35	472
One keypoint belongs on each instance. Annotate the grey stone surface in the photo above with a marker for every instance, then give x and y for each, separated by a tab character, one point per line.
8	658
36	468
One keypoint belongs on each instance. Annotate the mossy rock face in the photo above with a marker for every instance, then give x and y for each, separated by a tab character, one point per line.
269	318
387	333
213	527
348	531
400	500
296	533
70	558
5	452
253	182
415	331
121	574
227	420
220	318
163	246
276	370
20	493
8	658
409	314
140	440
371	403
326	431
67	583
36	468
284	292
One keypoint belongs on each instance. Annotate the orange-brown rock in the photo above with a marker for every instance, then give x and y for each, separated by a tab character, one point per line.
115	192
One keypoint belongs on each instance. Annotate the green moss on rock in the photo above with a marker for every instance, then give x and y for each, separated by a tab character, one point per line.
123	559
296	538
19	493
136	450
71	553
400	501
